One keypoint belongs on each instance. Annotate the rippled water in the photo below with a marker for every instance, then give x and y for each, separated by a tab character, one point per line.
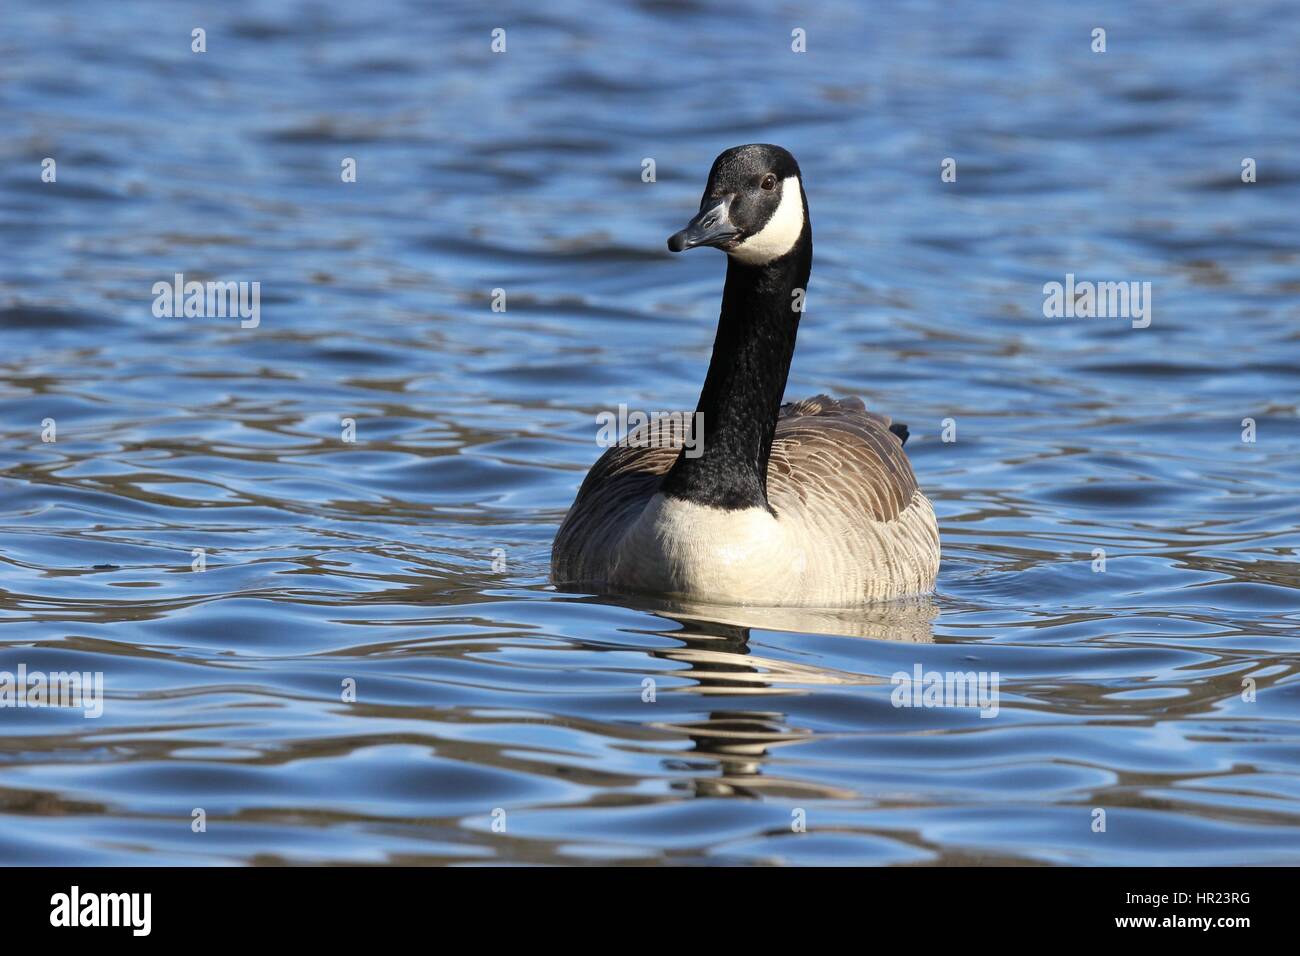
414	561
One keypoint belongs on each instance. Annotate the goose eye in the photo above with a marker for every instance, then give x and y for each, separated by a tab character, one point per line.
769	181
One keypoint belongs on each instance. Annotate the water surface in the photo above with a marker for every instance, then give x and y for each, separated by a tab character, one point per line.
413	561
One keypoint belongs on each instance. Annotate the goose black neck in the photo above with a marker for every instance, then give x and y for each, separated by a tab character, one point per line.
742	393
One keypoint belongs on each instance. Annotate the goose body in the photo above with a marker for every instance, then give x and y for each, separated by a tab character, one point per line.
812	503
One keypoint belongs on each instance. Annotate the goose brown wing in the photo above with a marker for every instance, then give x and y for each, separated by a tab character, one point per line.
614	492
834	454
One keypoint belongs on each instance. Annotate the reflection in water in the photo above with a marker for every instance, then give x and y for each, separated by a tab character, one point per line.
736	743
910	620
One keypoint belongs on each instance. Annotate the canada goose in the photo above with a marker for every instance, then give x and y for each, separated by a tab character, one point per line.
811	503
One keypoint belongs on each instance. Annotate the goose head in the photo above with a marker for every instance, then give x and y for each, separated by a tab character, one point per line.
753	207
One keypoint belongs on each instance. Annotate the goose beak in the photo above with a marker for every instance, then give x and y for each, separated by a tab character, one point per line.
711	227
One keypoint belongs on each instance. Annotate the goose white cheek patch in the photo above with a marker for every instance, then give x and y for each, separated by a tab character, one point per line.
779	235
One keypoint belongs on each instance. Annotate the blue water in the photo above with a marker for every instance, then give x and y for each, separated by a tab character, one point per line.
497	720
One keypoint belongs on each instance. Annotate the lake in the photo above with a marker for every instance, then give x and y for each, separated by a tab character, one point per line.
309	556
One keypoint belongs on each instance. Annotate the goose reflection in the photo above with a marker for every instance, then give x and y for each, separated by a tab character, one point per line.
731	745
